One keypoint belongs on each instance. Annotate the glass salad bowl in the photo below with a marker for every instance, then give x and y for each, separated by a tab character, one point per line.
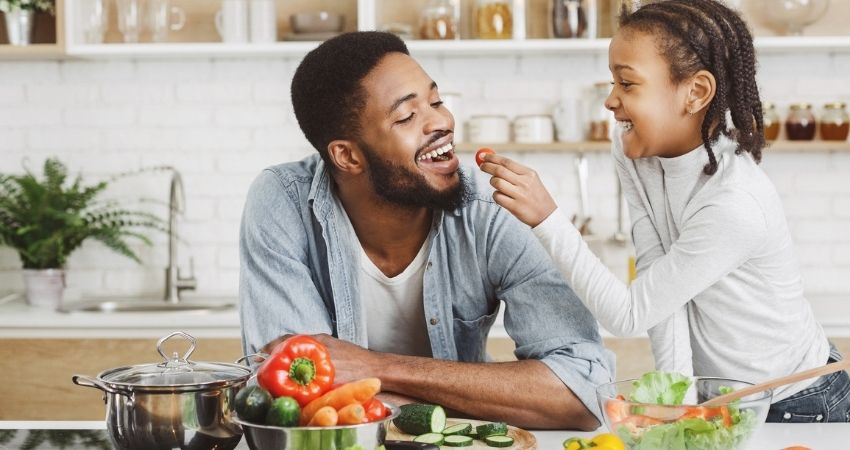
659	411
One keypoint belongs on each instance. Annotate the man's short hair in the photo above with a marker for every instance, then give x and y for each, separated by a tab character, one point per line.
327	94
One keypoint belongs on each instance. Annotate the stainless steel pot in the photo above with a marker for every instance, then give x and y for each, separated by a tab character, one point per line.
175	404
366	436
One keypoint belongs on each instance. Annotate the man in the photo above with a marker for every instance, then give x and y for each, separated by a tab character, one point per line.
381	242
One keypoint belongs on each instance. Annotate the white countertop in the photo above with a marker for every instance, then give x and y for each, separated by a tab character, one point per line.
771	436
19	320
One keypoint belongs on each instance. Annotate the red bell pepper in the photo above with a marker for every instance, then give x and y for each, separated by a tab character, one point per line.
375	409
299	367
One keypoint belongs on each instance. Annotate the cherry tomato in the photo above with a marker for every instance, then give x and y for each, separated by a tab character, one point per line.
481	152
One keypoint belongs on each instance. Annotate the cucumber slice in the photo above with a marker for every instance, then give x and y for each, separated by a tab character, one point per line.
429	438
491	429
419	419
457	441
499	441
462	429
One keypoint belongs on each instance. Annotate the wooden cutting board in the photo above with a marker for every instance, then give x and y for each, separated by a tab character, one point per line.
523	440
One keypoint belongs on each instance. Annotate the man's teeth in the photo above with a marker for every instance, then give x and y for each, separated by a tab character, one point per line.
434	153
625	124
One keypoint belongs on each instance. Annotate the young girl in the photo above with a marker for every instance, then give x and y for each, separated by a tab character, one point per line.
718	287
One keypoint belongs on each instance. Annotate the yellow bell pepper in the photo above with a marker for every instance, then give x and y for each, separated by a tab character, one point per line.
605	441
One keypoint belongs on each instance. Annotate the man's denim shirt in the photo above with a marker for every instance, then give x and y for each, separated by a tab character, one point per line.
300	265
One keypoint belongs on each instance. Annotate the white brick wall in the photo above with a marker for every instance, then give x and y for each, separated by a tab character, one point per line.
221	121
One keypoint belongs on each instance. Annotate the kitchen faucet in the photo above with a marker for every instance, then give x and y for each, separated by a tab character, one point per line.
174	283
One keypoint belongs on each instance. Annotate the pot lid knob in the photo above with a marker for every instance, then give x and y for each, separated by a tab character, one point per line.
176	361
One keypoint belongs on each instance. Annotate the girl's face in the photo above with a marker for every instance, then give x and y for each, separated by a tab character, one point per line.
649	107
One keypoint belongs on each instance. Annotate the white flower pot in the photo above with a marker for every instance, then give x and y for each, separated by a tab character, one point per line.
19	25
45	287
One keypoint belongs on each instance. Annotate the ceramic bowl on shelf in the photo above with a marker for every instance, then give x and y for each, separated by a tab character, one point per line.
793	15
316	22
645	426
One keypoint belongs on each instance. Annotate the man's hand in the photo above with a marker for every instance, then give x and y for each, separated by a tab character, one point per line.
519	190
351	361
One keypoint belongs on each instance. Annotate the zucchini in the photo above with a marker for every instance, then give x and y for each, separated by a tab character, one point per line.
429	438
461	429
491	429
419	419
499	441
457	440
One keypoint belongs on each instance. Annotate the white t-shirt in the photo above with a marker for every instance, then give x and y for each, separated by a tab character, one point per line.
717	275
393	308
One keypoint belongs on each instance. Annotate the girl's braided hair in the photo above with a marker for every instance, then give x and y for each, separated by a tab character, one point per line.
696	35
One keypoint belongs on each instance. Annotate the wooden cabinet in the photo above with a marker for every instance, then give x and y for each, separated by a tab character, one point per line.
37	372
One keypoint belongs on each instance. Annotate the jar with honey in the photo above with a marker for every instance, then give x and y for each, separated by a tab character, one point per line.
771	121
439	20
600	117
835	122
800	125
493	19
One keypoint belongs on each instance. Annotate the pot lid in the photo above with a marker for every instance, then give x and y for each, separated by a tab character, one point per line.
177	371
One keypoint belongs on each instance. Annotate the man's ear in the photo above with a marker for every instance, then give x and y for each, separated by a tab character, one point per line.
703	87
346	157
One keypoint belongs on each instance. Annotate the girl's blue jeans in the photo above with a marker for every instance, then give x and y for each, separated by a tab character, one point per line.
827	400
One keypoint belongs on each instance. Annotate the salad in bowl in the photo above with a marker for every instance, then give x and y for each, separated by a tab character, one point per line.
662	411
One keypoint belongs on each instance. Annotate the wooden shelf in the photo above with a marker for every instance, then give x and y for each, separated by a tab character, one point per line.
604	147
32	51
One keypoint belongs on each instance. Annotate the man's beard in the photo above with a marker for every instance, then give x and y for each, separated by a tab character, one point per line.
398	185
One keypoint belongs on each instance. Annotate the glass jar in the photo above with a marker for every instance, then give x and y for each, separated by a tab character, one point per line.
493	19
439	20
569	18
771	121
800	125
600	116
835	122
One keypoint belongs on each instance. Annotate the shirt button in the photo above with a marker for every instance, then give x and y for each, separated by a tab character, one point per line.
786	416
819	417
434	321
428	266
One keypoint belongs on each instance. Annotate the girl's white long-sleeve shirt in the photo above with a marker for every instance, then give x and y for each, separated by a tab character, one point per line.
718	284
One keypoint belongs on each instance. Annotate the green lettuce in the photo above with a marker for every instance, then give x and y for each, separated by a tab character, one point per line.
660	388
692	434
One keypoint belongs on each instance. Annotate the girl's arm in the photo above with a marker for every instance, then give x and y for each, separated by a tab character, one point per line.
670	340
715	240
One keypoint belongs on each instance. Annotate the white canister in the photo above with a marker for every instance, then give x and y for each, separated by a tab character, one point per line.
263	17
232	21
490	129
451	101
534	129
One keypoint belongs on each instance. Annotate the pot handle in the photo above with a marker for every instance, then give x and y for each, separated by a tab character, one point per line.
264	356
86	381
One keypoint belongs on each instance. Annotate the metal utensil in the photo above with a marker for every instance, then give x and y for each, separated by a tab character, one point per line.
619	237
584	204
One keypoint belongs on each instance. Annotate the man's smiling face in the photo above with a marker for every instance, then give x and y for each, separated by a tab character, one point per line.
406	136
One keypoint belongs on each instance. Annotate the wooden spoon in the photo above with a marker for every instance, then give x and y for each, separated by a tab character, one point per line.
782	381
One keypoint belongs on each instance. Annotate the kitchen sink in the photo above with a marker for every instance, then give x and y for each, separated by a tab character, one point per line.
144	305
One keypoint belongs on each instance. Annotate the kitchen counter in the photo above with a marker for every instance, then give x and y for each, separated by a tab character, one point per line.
19	320
770	437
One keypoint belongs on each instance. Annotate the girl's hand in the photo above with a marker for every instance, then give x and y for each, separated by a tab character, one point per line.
519	190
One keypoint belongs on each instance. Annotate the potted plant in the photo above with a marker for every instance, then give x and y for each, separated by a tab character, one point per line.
46	219
20	15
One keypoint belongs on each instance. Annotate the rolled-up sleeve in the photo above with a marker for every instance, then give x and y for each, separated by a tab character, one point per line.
277	294
545	318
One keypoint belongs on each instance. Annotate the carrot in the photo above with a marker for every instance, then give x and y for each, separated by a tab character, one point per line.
324	417
352	414
354	392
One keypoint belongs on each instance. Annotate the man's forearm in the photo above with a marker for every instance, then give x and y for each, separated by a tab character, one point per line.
523	393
